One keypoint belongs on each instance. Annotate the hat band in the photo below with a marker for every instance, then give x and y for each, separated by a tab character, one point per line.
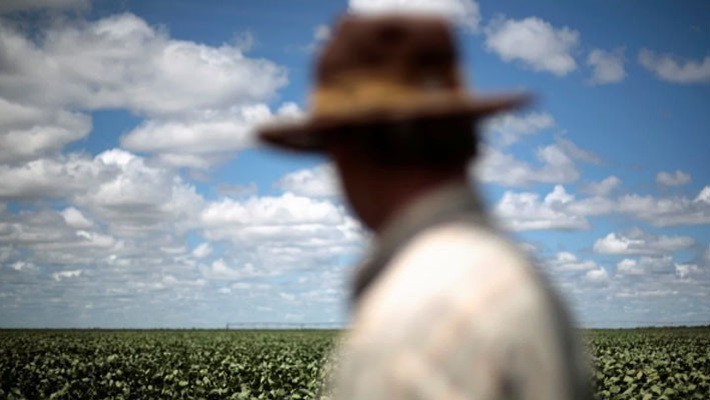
368	95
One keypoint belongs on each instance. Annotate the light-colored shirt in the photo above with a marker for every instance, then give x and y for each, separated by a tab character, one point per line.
447	308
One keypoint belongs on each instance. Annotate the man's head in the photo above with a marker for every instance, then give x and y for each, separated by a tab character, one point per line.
385	166
392	110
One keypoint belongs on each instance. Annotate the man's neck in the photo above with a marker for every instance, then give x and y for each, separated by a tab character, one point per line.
400	194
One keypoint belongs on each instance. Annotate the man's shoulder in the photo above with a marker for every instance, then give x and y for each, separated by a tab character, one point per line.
464	236
453	270
461	249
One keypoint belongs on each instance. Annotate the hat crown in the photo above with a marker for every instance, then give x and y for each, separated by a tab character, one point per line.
412	50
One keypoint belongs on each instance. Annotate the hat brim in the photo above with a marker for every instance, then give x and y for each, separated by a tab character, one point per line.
311	133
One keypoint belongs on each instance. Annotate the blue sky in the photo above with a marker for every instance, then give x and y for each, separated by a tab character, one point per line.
133	193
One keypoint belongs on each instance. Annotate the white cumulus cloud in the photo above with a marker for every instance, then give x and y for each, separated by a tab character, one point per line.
556	166
201	138
685	271
597	277
321	32
668	211
222	270
566	261
27	132
671	69
510	128
120	189
202	250
283	232
136	198
76	219
629	266
48	177
645	265
58	276
22	266
463	12
640	242
673	179
320	181
526	211
602	188
534	42
608	66
122	62
202	101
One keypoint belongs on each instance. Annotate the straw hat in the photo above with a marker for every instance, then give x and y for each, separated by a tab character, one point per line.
384	69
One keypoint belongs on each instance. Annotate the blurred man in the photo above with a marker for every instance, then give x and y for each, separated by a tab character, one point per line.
444	307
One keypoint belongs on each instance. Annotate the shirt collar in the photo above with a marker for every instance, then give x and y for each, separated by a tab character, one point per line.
446	203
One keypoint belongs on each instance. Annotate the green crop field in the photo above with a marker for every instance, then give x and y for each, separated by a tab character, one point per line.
84	364
663	363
